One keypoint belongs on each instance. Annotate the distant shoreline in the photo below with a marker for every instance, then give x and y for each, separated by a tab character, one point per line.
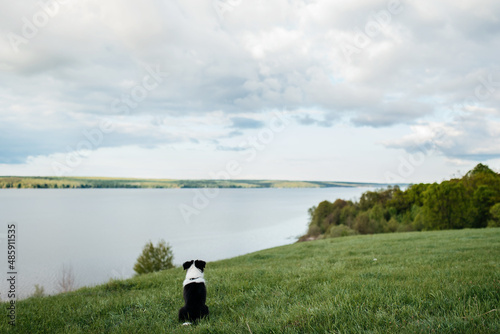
47	182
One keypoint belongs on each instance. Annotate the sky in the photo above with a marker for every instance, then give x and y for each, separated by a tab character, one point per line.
365	91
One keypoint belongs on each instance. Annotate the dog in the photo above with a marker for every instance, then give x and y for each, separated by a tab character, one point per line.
195	292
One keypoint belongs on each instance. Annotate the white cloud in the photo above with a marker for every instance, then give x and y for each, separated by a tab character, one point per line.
428	57
470	136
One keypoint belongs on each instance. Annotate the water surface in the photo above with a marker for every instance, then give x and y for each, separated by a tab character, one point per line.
99	233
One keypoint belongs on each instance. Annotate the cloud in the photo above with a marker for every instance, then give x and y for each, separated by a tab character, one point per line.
246	123
259	57
308	120
390	113
230	148
470	136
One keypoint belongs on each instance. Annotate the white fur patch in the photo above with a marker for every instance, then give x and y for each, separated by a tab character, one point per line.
193	275
191	280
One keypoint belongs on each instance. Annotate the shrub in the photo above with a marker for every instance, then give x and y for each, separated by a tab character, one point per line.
340	231
39	291
154	258
495	216
314	231
66	282
391	226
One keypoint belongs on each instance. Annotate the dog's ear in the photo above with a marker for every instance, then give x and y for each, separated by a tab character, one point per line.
187	264
200	264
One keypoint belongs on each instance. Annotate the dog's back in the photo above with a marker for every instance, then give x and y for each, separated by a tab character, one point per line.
195	296
195	292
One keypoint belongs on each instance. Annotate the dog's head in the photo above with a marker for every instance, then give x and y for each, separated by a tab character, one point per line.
194	268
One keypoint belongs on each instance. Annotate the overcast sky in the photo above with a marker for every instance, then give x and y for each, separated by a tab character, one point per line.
364	90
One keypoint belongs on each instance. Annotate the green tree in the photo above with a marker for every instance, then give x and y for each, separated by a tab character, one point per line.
495	216
458	203
483	200
154	258
368	222
399	201
480	169
318	215
348	214
446	206
415	193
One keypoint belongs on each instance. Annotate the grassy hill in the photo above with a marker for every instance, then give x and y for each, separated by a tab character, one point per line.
445	282
109	182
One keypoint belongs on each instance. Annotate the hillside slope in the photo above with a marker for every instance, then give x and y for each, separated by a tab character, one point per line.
447	281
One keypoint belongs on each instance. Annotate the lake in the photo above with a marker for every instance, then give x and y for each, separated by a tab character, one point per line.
99	233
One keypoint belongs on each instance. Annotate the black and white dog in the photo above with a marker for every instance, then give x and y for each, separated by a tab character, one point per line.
195	292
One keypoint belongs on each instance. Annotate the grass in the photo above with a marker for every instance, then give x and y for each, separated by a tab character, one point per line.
420	282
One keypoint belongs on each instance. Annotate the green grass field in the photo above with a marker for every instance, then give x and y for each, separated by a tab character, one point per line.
419	282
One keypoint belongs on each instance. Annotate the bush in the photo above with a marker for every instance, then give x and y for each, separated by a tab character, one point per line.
39	291
495	216
154	258
369	222
340	231
314	231
391	226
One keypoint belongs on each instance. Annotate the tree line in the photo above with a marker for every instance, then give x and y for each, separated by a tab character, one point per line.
94	182
472	201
